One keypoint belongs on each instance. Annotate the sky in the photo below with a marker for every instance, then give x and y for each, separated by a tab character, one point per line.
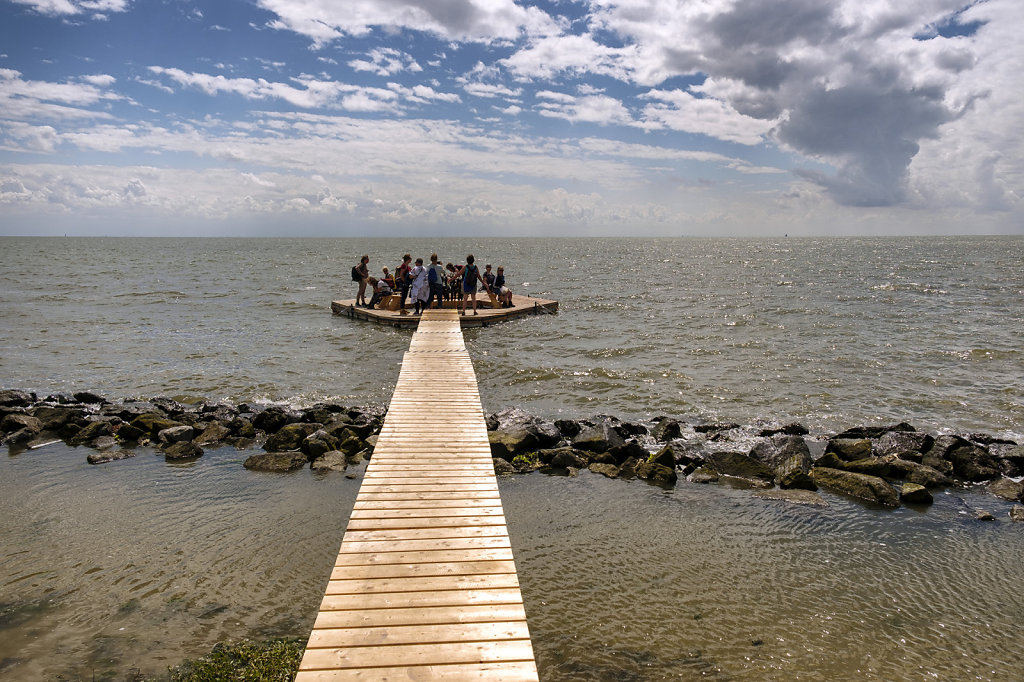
511	118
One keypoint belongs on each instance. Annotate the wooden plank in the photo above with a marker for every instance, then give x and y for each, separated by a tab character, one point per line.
424	585
517	671
468	613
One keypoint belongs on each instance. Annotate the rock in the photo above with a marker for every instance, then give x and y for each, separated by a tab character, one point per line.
273	418
91	432
870	432
526	462
319	443
1011	461
352	444
104	443
666	457
1016	512
627	469
656	473
599	438
182	450
620	453
242	427
1007	489
131	434
152	423
703	475
568	427
108	456
16	398
290	436
508	444
212	434
609	470
629	429
87	398
918	473
715	428
52	418
18	437
176	434
801	496
15	422
335	460
503	467
739	465
849	449
912	493
566	458
869	488
793	429
973	463
795	473
789	458
276	461
872	466
982	515
904	441
666	430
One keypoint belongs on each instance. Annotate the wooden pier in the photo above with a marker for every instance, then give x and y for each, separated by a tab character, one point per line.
488	312
425	586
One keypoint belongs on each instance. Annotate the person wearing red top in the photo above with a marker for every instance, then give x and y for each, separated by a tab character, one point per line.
403	279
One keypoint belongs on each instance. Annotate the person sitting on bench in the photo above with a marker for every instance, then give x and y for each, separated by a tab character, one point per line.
380	290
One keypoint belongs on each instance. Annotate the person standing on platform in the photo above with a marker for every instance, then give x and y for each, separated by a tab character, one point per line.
435	278
404	280
363	271
419	289
470	275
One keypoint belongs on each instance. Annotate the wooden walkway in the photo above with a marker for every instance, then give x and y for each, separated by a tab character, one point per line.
425	587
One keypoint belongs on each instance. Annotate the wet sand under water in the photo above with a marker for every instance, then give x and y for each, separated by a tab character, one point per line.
138	564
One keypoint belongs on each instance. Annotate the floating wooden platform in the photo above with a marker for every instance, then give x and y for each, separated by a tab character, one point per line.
425	586
524	305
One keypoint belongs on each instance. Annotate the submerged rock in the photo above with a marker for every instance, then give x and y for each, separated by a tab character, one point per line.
182	450
609	470
335	460
656	473
503	467
870	488
739	465
108	456
912	493
1016	512
1007	489
804	497
276	461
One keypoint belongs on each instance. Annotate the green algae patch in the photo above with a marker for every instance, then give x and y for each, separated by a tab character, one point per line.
269	661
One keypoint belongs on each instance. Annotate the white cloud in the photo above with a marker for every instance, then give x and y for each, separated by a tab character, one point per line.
599	109
73	7
324	21
386	61
679	110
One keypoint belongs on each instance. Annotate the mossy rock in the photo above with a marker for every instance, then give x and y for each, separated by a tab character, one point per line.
870	488
666	457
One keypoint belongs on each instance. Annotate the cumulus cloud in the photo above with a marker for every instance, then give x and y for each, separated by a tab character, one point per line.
465	20
386	61
599	109
73	7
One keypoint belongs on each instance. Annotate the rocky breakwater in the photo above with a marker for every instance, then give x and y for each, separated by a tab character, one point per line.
327	436
886	466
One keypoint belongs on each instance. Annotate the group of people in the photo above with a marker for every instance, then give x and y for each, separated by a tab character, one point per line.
425	283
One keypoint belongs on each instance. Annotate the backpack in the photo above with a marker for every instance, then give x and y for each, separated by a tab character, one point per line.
465	274
356	277
432	275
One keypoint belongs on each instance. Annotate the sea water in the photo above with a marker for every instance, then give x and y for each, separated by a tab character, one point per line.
139	563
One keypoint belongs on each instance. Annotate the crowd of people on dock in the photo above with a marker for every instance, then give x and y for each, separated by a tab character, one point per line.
425	283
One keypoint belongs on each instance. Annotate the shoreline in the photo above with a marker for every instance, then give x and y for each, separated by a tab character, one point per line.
885	466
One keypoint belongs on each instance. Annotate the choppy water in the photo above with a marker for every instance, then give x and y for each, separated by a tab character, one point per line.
832	332
139	563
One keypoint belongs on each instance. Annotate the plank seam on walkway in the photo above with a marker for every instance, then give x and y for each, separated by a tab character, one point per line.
425	586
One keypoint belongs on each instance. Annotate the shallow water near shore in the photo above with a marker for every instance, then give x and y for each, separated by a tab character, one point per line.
137	564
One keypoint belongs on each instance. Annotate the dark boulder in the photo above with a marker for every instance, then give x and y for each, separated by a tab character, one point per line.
894	442
872	466
18	437
609	470
152	423
974	463
657	473
913	493
52	418
508	444
921	474
319	443
715	427
849	449
276	461
794	473
176	434
15	422
503	467
793	429
620	453
870	488
1007	489
212	434
91	432
89	398
703	474
872	432
131	434
289	437
666	457
666	430
182	450
567	458
15	398
1011	461
739	465
240	426
335	460
272	419
127	411
599	438
111	455
569	428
